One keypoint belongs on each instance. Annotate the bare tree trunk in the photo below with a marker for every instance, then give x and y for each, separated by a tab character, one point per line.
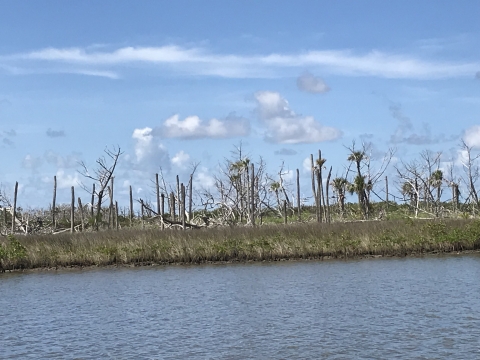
72	211
190	198
80	207
116	215
285	212
386	195
93	201
313	186
110	207
143	213
179	197
182	189
172	206
319	192
162	209
157	187
299	211
252	195
131	207
327	185
54	203
322	197
14	213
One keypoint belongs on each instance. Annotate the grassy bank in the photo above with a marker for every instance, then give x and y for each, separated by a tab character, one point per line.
274	242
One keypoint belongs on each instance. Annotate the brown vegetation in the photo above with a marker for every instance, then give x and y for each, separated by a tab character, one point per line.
268	242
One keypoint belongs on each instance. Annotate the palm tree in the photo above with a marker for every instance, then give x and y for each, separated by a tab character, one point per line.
436	181
339	185
357	157
359	186
275	187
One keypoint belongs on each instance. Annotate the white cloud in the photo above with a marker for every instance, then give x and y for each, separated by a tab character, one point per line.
472	136
193	127
200	61
286	127
309	83
67	180
147	148
181	159
203	179
307	165
32	162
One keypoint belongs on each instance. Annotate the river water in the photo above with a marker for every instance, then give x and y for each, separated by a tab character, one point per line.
410	308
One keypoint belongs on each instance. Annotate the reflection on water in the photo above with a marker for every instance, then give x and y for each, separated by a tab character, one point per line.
423	308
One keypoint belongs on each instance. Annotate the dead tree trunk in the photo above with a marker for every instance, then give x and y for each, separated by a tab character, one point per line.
157	187
313	186
172	206
162	211
93	201
72	211
14	212
299	211
116	215
80	207
386	195
190	198
252	195
131	207
182	206
54	202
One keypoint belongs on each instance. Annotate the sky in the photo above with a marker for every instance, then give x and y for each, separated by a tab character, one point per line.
176	83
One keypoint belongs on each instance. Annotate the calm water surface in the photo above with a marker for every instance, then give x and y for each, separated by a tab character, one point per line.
413	308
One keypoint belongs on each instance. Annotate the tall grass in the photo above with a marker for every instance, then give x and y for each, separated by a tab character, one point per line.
272	242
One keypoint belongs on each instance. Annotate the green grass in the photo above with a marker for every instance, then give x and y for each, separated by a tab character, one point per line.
268	242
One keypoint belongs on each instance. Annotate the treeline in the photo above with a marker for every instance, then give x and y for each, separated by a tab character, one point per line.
244	193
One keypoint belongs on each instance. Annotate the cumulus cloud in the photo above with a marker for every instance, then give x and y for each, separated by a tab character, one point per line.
312	84
65	180
192	127
472	136
285	126
307	165
148	150
203	179
55	133
181	159
405	132
285	152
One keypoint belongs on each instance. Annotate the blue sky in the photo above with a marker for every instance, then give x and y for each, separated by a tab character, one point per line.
180	82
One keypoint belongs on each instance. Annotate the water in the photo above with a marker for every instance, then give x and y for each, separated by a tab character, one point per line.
413	308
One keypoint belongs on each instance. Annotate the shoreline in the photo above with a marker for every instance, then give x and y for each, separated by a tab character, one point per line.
301	241
241	262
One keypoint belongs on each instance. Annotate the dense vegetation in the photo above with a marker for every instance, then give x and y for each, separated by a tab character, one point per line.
267	242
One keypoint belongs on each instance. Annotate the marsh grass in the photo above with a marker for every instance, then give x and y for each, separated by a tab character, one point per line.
268	242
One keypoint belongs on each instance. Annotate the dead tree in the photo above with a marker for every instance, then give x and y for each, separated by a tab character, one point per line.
101	175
